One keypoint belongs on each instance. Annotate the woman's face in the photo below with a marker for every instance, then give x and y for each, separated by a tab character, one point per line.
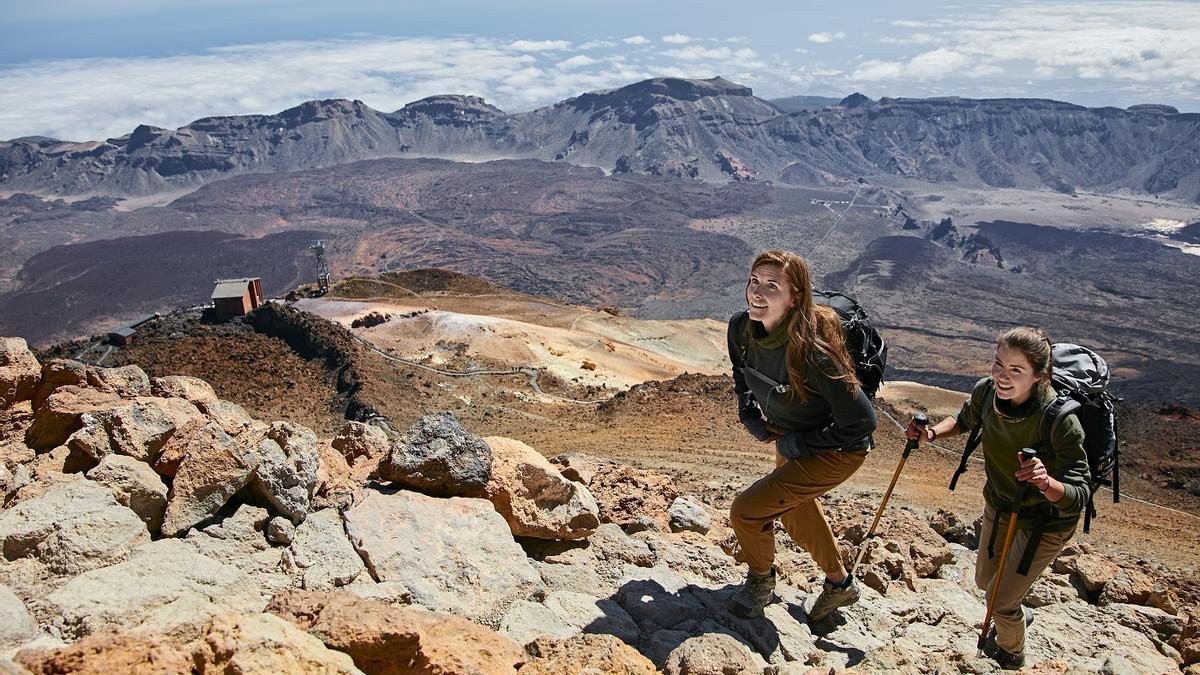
768	295
1013	374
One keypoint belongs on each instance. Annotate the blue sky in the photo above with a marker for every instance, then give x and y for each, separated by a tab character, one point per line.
84	70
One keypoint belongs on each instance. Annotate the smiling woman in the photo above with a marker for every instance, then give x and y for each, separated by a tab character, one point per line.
796	388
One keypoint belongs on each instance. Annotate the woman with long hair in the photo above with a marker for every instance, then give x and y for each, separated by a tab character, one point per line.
796	388
1010	406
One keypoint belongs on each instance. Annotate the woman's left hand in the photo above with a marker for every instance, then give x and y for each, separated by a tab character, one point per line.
1033	472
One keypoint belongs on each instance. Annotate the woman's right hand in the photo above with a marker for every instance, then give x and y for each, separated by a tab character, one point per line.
914	432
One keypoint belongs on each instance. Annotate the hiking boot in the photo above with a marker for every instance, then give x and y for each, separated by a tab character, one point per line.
749	600
833	596
1004	659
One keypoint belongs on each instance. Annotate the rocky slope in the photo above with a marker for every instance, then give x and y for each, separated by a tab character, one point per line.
198	538
711	129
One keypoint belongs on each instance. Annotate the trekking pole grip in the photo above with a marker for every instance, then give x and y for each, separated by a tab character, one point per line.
921	420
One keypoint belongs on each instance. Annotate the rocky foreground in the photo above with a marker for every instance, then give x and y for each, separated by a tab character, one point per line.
149	526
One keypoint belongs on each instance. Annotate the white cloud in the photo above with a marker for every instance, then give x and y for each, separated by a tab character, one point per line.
825	38
597	44
636	40
914	39
934	64
540	45
89	99
1045	72
676	39
577	61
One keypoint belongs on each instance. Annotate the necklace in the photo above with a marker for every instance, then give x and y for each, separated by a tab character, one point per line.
1019	413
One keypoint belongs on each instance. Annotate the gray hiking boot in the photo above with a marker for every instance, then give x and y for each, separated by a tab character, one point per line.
831	598
749	600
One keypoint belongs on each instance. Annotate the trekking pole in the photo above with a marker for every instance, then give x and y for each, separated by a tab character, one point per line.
1026	455
911	445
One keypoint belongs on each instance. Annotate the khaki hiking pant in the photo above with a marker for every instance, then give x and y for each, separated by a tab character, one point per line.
1010	621
789	494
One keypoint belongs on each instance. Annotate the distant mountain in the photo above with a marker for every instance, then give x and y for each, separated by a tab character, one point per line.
708	129
793	104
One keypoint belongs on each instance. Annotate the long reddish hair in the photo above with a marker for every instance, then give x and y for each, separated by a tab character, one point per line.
811	328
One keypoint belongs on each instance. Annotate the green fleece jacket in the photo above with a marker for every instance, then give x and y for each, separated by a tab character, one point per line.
1003	438
833	418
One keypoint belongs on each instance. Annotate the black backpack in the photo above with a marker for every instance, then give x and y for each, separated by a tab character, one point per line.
865	344
1080	378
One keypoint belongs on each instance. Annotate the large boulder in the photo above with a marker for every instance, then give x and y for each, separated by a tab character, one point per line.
181	386
59	415
587	653
437	457
210	473
14	422
17	625
714	654
320	556
19	371
452	555
286	474
535	499
72	527
139	429
58	373
337	484
686	515
135	485
385	640
231	417
147	653
240	539
126	381
362	445
165	585
265	643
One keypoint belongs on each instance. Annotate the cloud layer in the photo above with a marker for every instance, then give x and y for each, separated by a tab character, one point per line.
1090	53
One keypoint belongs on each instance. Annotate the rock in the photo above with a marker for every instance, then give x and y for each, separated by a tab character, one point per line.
953	529
105	653
1127	586
58	373
587	653
213	469
626	494
658	595
360	443
320	555
338	486
686	515
578	467
135	485
20	371
14	422
139	429
239	539
280	531
1093	570
59	416
17	626
641	524
192	389
527	621
71	528
713	654
438	457
387	640
231	417
165	585
265	643
534	498
586	613
126	381
286	474
471	568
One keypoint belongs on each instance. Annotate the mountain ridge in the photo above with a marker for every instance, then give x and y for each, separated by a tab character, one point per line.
710	129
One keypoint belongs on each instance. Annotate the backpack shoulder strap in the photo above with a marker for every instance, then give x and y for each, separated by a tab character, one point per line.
976	435
1056	411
